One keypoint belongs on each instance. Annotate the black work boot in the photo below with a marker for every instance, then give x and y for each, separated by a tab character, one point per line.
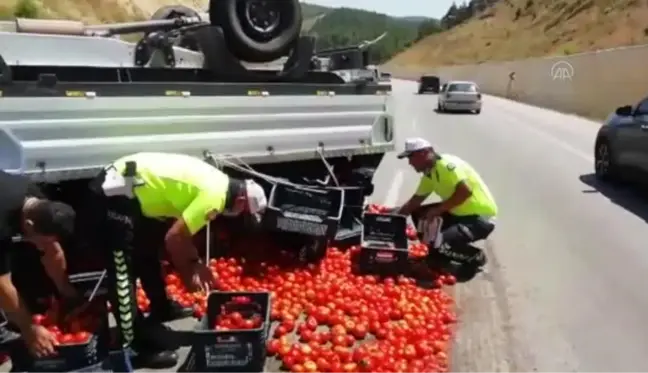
170	311
151	351
155	359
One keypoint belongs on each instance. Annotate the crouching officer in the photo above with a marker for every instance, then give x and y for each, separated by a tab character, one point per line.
468	208
27	216
149	186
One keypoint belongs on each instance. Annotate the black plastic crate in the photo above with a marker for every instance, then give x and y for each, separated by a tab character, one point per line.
230	350
90	284
74	357
69	357
305	210
384	244
350	229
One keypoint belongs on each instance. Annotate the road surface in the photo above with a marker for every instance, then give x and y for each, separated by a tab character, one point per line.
568	262
563	290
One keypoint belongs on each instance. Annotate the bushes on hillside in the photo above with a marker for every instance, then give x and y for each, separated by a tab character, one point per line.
22	9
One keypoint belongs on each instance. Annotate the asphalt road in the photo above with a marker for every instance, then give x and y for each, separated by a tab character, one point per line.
563	290
568	262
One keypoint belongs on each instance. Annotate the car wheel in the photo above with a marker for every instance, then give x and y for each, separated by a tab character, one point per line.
604	167
478	111
439	108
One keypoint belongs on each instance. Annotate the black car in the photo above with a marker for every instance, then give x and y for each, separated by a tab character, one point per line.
621	147
429	83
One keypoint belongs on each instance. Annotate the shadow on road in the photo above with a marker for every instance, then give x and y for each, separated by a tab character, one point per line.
448	112
626	196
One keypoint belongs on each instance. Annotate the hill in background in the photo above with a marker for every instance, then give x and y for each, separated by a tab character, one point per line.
90	11
490	30
345	27
334	27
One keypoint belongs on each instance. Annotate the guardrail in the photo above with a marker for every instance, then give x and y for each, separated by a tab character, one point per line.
590	84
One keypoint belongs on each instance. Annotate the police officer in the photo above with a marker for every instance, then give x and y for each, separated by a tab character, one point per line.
142	187
467	206
26	215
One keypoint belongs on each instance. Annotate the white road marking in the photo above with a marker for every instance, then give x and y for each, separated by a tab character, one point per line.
561	144
394	190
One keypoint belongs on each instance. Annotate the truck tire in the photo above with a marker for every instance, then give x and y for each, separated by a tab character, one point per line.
257	31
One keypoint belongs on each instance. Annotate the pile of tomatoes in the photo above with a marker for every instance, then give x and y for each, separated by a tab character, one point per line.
326	318
67	329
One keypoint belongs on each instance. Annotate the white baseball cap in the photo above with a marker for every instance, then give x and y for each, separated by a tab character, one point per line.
414	144
257	201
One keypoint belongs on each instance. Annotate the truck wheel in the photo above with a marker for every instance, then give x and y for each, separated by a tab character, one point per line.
258	30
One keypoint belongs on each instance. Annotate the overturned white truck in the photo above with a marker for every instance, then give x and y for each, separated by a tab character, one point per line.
75	97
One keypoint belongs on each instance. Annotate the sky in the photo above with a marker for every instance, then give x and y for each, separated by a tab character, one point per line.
424	8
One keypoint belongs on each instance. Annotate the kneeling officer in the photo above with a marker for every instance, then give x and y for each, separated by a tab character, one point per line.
144	186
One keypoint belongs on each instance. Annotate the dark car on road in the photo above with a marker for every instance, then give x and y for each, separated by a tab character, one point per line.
429	83
621	147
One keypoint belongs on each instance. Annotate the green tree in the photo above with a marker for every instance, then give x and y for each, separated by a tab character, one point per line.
428	27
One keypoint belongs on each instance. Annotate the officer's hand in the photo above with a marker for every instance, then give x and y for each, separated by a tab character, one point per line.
40	341
200	280
206	277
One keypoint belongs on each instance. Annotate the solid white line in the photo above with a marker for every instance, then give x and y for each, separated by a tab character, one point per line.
561	144
394	190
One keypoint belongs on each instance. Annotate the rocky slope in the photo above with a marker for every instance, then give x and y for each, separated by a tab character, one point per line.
94	11
517	29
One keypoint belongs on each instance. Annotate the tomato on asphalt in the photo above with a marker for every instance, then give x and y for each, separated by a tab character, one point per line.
374	324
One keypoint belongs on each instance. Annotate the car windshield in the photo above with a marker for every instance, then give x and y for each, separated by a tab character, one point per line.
462	87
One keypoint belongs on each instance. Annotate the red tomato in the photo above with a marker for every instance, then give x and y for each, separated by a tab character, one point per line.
81	337
38	319
66	339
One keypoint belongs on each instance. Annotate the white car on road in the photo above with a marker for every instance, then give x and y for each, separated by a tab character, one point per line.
460	96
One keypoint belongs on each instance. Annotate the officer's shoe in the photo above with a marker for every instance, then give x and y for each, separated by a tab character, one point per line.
156	360
173	311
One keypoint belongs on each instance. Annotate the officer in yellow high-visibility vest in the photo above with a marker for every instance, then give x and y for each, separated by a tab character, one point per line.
146	187
467	207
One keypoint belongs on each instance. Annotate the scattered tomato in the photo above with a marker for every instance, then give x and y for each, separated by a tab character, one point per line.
343	322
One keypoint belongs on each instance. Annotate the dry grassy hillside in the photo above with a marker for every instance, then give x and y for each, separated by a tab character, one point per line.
516	29
95	11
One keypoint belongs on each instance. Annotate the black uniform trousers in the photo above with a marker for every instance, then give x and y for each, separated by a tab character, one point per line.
131	246
458	233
